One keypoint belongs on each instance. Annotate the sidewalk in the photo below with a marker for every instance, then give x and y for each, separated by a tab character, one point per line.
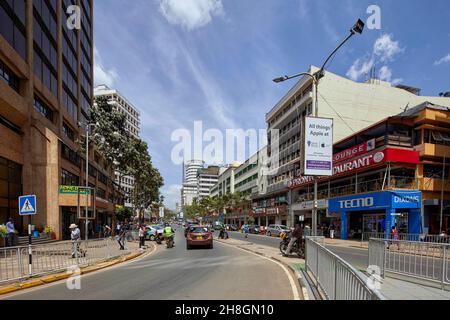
347	243
65	262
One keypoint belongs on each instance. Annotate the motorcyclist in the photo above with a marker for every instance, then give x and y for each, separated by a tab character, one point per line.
223	232
297	235
169	232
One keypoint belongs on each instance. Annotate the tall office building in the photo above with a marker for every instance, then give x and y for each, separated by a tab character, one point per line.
46	76
133	126
206	179
189	190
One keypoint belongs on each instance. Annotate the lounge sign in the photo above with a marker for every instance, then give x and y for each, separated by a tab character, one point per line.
363	161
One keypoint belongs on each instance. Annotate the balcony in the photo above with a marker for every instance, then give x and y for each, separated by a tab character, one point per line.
408	183
433	150
433	184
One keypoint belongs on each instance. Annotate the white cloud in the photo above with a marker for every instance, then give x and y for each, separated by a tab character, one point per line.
360	68
386	48
172	195
190	14
101	74
443	60
385	73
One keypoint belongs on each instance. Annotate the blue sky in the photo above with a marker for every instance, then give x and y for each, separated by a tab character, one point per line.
179	61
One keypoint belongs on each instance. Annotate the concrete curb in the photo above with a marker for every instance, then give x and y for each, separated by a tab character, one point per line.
61	276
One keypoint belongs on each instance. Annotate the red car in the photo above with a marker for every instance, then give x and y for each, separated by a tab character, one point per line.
199	236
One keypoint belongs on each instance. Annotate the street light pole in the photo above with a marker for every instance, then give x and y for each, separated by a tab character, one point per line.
87	182
442	196
357	28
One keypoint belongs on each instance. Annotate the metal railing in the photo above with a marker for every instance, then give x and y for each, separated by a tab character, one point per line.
366	236
48	258
422	260
337	279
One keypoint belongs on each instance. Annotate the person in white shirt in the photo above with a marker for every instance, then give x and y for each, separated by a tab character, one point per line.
75	237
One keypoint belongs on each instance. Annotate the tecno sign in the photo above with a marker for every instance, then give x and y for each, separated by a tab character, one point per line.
357	203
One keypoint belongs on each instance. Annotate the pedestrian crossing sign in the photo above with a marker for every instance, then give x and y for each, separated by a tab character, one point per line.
27	205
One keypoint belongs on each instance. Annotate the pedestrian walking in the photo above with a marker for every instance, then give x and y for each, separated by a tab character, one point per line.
10	230
332	229
106	231
120	237
246	230
141	236
118	228
75	236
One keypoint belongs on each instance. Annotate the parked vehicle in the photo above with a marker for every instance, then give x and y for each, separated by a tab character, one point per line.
276	230
199	236
152	232
254	229
298	247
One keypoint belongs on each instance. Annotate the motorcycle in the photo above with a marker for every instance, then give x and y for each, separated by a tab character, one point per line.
169	242
223	234
298	247
159	238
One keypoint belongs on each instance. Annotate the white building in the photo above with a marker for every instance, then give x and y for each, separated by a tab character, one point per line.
132	125
225	183
352	105
189	190
206	179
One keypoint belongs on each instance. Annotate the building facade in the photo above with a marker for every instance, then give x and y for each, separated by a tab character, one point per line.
189	191
132	125
206	179
46	77
390	173
358	104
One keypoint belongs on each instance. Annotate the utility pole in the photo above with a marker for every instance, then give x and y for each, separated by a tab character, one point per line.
442	196
87	183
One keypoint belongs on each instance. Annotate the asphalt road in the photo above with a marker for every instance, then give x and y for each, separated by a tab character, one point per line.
355	256
222	273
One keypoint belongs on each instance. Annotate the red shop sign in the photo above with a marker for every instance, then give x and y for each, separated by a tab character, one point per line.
354	151
367	160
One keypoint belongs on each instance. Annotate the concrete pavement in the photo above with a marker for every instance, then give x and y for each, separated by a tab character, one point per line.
222	273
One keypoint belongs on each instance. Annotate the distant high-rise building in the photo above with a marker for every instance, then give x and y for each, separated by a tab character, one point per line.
190	186
132	124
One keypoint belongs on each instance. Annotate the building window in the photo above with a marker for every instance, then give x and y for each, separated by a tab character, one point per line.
42	108
12	24
69	179
70	155
9	77
68	132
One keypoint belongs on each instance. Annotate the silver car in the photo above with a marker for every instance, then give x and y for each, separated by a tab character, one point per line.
276	230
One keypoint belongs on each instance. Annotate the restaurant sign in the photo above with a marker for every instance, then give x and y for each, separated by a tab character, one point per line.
364	161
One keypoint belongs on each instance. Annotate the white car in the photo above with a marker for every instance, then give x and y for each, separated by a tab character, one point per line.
276	230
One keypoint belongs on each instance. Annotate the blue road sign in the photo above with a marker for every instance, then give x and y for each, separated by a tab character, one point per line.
27	205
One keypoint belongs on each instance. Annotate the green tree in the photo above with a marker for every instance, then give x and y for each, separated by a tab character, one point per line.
123	214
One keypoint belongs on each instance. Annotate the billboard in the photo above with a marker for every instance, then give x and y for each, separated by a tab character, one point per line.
318	153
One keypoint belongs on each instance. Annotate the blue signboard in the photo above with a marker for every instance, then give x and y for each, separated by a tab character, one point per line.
398	199
27	205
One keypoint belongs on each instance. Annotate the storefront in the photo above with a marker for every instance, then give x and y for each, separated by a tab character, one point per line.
377	212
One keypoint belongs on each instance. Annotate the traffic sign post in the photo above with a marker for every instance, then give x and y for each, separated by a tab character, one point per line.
28	207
